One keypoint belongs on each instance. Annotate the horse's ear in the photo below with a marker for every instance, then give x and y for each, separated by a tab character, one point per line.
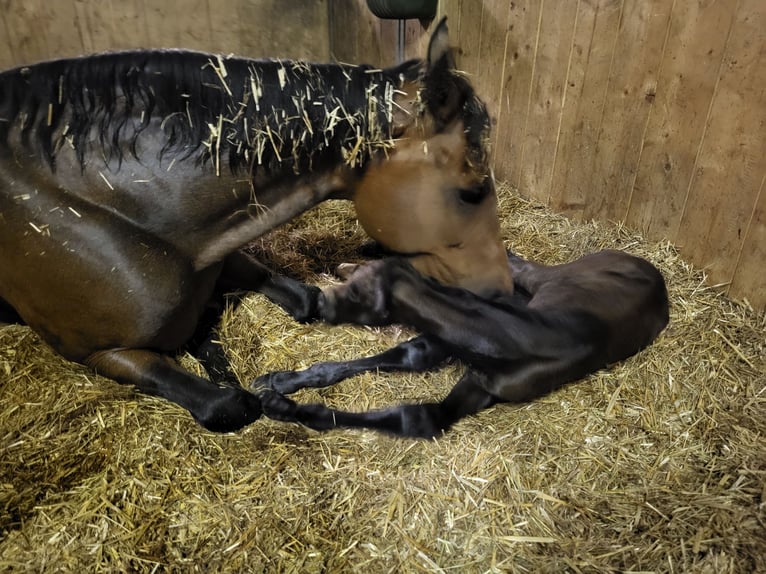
445	92
407	96
438	46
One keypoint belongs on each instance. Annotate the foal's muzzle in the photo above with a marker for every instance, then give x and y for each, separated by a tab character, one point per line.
326	305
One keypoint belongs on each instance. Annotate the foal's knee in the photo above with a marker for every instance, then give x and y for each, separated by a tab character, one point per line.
362	299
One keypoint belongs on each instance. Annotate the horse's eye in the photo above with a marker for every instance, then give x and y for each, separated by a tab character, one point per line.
473	195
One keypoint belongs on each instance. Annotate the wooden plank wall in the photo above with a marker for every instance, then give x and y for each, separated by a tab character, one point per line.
647	112
33	30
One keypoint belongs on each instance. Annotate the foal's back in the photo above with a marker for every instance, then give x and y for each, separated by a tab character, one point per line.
625	293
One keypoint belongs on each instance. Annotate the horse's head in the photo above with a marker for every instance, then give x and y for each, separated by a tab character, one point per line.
433	196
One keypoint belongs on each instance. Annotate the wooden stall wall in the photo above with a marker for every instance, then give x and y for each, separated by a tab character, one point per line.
647	112
33	30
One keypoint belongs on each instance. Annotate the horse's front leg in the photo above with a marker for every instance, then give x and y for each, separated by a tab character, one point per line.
418	354
205	344
243	272
425	420
219	409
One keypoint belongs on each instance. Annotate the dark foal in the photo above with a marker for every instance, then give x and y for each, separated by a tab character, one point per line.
562	323
129	182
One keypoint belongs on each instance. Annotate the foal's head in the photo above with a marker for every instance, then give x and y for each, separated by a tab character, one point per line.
433	198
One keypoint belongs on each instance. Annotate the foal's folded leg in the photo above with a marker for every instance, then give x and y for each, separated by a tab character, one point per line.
413	420
488	334
418	354
483	331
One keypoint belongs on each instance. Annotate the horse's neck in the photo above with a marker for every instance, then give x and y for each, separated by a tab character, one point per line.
312	115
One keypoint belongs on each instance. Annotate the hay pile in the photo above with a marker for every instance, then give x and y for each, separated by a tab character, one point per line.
657	465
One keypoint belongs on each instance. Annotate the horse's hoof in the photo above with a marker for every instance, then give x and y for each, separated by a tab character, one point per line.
235	409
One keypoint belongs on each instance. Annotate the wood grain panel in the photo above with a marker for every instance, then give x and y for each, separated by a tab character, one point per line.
573	180
487	74
129	25
513	111
723	196
294	29
36	30
357	36
22	24
170	21
57	23
552	56
749	281
466	37
93	21
632	85
693	57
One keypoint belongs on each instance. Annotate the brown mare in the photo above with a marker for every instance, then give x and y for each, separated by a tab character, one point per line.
130	181
561	323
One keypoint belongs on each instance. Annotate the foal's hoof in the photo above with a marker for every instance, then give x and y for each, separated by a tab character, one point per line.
346	270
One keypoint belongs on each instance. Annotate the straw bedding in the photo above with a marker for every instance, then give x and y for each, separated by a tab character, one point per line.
655	465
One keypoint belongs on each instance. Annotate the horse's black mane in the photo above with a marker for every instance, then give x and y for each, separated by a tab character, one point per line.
239	111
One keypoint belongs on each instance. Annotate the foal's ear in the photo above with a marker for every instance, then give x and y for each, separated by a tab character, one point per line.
445	92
